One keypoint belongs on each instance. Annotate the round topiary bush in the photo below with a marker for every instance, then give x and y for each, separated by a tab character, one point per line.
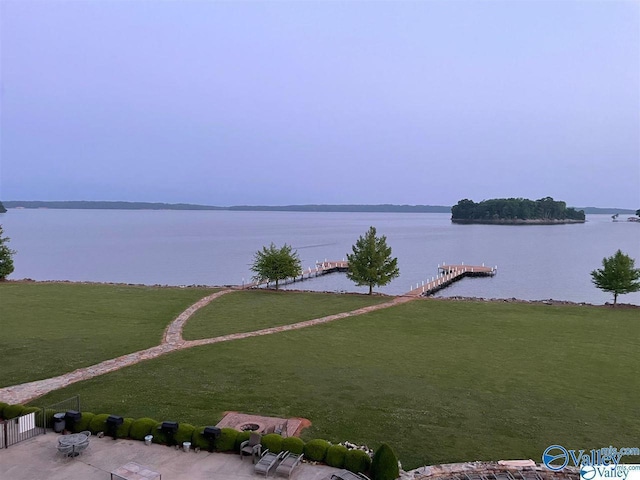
335	456
357	461
98	423
184	433
242	437
316	450
293	445
48	418
83	424
272	442
385	464
2	407
12	411
226	442
123	431
158	435
142	427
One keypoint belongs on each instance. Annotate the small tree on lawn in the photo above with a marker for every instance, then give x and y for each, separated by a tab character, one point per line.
371	263
275	264
6	257
617	275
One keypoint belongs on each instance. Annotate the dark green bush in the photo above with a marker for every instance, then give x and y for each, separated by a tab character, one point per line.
357	461
184	433
142	427
272	442
158	435
316	450
2	407
335	456
124	430
293	445
226	442
48	418
83	424
385	464
197	440
12	411
99	423
242	437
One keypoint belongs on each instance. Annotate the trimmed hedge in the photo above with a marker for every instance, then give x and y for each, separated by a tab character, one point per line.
84	422
197	440
158	435
124	430
2	407
385	464
48	417
242	437
272	442
12	411
142	427
226	442
184	433
316	450
293	445
335	456
99	423
357	461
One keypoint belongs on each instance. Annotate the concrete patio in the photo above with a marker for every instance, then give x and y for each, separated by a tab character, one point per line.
38	458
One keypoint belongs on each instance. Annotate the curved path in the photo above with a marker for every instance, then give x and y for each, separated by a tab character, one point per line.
171	341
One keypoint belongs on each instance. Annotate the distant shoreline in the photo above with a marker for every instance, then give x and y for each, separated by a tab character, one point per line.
326	208
516	221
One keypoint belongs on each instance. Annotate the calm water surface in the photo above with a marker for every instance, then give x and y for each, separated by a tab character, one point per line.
217	247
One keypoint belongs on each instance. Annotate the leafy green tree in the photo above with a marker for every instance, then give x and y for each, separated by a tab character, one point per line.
2	208
275	264
638	212
371	263
618	275
6	257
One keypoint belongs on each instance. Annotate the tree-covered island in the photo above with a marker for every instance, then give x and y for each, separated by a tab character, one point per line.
516	211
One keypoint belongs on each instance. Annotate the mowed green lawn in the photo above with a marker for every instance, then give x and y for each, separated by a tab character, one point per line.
440	381
246	311
47	329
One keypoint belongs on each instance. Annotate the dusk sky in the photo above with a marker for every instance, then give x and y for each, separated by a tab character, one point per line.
276	102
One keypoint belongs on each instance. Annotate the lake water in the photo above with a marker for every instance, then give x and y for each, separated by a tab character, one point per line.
217	247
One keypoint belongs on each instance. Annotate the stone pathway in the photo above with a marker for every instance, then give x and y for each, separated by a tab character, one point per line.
172	341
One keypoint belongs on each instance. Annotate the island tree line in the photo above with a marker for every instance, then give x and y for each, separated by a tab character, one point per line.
515	209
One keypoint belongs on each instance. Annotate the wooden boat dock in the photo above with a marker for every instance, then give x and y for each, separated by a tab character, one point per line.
448	274
321	268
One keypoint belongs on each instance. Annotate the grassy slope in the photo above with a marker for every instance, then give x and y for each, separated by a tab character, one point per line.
246	311
52	328
439	381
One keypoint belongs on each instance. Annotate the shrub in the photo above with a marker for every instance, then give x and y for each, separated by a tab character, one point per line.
48	418
272	442
124	430
357	461
83	424
158	435
242	437
335	456
198	440
385	464
226	442
316	450
142	427
2	407
293	445
184	433
99	423
12	411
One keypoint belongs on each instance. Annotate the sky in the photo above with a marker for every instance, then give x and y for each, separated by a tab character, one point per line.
296	102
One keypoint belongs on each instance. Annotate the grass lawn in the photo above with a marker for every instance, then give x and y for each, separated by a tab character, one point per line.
439	381
52	328
246	311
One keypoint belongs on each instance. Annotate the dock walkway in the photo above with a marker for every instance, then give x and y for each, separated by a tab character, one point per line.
448	274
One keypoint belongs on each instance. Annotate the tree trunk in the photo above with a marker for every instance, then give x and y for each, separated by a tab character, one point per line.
615	298
370	289
276	284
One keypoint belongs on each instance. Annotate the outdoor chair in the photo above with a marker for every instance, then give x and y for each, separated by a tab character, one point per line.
281	429
288	463
251	447
65	450
86	432
267	462
81	447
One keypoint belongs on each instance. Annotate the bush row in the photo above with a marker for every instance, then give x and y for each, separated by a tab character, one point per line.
229	440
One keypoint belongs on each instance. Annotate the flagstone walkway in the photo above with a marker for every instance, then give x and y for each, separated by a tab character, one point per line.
171	341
